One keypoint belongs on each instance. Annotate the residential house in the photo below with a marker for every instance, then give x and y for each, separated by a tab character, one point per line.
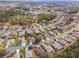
29	31
48	48
28	53
21	33
38	50
51	33
5	33
36	30
48	28
45	35
31	39
38	26
68	39
57	46
73	36
14	33
63	42
51	26
22	40
39	37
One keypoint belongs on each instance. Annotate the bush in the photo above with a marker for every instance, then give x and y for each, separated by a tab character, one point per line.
43	55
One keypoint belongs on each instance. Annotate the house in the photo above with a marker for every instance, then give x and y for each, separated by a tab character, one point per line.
39	37
28	53
52	39
48	28
45	35
73	36
36	30
21	33
38	50
51	33
5	33
38	26
62	28
51	26
42	29
47	38
48	48
68	39
29	31
22	40
43	25
31	39
14	33
63	42
1	40
77	33
57	46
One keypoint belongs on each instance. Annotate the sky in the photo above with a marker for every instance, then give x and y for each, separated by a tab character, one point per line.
39	0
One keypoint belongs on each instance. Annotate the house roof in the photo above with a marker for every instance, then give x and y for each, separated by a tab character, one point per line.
62	42
57	45
22	40
29	31
68	39
38	50
1	40
28	53
39	37
21	33
45	35
72	37
48	48
31	39
6	33
50	32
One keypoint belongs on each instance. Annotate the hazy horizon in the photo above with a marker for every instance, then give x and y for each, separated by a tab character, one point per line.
39	0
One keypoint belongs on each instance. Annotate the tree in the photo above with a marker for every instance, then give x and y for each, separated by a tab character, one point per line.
46	17
2	52
71	52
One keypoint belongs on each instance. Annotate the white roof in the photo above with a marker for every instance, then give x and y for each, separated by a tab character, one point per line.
50	32
57	45
28	53
29	31
68	39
